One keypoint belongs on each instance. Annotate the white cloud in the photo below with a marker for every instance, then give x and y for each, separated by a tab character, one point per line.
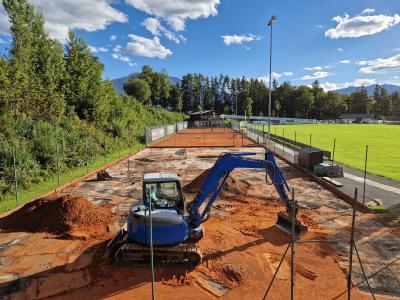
345	61
317	75
317	68
330	86
339	49
117	54
320	26
287	73
349	27
154	26
368	11
64	15
176	12
380	64
141	46
4	24
2	41
113	38
275	75
239	39
97	49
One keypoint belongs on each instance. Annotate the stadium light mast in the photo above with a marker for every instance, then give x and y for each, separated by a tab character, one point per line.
270	22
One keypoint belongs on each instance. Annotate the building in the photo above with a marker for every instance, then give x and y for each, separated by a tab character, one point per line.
206	118
358	118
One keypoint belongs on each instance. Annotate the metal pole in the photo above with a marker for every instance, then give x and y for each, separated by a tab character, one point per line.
310	139
86	157
151	250
333	152
365	172
283	144
351	245
58	165
15	174
363	271
105	150
292	247
119	149
270	82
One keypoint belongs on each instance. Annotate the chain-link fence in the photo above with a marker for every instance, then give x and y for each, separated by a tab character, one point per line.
156	133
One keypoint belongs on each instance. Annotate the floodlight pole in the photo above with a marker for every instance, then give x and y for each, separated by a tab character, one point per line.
271	21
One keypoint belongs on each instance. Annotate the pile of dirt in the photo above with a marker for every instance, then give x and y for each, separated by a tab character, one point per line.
232	186
68	216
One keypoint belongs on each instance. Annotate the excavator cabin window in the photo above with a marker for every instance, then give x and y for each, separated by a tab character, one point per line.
165	195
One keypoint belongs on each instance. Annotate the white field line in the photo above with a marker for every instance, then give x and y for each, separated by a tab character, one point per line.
373	183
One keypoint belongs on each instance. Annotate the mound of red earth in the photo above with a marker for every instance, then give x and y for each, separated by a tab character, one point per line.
232	185
68	216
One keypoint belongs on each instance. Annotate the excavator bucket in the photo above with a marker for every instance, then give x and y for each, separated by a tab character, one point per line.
284	223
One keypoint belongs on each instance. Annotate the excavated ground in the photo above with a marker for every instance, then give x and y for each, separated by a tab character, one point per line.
241	246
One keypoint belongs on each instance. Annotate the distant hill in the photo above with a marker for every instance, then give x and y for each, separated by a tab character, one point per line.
370	89
118	83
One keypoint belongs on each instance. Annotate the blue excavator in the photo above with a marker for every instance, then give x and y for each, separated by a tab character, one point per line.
176	227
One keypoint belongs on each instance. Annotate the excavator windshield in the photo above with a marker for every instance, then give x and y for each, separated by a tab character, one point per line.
164	194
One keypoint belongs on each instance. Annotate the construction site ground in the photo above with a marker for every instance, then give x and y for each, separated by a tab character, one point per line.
241	247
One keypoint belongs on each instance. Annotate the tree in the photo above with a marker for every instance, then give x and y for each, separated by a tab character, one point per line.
138	88
304	101
176	98
359	101
249	106
382	103
83	81
395	99
36	65
333	105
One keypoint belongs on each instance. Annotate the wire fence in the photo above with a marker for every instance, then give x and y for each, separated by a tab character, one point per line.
64	164
290	144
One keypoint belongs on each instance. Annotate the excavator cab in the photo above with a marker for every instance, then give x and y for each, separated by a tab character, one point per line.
165	191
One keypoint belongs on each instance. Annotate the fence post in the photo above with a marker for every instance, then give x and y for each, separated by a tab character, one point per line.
351	245
105	150
119	148
283	144
15	174
86	157
365	171
310	139
333	152
58	163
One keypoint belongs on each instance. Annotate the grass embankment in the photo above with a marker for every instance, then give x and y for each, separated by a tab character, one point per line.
24	196
351	139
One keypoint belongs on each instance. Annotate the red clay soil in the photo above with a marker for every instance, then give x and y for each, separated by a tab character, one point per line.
69	216
205	137
231	187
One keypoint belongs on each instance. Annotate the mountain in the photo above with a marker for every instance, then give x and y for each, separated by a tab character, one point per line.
118	83
370	89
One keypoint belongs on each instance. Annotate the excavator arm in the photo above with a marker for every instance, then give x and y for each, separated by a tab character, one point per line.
217	176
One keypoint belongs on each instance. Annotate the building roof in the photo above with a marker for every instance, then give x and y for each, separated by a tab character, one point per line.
357	116
203	112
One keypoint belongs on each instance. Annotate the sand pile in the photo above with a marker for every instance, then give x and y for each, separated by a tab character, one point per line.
232	186
68	216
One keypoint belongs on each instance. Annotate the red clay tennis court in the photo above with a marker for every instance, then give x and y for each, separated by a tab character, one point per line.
205	137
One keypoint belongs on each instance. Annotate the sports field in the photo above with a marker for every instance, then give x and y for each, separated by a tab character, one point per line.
383	144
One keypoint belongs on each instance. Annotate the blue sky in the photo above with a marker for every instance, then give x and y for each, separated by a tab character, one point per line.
340	43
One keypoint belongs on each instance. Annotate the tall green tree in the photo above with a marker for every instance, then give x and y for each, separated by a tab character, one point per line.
395	99
83	82
359	101
138	88
176	98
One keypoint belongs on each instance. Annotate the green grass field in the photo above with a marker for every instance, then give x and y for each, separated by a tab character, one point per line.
383	144
9	202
